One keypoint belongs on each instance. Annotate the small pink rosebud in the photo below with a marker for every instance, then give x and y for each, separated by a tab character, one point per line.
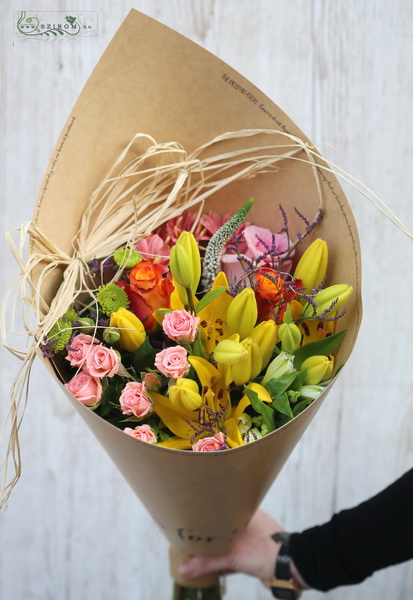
144	433
211	443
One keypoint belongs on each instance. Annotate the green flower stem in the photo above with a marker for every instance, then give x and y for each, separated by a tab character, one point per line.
190	300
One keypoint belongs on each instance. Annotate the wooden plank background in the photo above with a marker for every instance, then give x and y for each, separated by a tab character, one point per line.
343	71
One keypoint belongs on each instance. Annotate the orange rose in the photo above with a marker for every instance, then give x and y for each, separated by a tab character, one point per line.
149	289
269	289
146	275
273	294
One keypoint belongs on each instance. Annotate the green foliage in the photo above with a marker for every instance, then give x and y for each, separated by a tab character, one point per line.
261	408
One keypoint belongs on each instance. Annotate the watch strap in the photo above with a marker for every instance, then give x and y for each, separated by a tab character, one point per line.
283	585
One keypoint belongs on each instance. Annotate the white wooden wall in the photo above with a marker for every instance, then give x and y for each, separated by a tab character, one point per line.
343	70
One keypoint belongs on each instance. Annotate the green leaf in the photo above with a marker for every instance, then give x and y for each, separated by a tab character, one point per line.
279	385
301	406
261	408
298	382
322	347
144	357
209	297
197	347
282	404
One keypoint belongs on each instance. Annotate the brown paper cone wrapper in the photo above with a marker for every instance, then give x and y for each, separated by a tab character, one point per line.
153	80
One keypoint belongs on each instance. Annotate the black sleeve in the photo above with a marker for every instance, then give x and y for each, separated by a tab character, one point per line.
356	542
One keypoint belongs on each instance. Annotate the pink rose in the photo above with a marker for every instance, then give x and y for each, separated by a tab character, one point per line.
134	400
80	346
152	381
210	444
102	362
86	389
180	326
172	362
143	433
154	249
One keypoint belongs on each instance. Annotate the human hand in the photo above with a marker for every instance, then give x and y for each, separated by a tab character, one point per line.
254	552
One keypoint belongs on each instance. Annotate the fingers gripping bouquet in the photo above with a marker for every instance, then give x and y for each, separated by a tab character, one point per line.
211	363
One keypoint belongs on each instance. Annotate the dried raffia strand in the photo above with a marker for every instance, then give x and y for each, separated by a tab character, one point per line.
138	194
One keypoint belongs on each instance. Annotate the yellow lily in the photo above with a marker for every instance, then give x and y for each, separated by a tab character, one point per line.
213	316
263	395
216	396
174	417
176	443
311	329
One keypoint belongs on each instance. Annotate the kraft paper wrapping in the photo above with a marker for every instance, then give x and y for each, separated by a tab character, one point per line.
152	80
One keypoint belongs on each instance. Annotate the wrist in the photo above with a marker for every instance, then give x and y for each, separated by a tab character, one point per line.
286	583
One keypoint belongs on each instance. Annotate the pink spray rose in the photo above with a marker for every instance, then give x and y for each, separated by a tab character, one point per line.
80	346
172	362
180	326
134	400
143	433
102	362
211	443
254	237
152	381
86	389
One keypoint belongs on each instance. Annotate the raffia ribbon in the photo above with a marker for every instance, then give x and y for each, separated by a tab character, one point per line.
139	193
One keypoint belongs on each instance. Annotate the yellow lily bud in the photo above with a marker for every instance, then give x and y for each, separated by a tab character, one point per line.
249	368
229	352
312	266
131	329
256	358
185	393
242	313
290	337
340	292
189	244
319	368
265	334
180	266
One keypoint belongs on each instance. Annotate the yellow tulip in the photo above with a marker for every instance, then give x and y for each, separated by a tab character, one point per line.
131	329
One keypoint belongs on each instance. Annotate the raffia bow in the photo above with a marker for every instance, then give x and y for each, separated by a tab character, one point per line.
139	193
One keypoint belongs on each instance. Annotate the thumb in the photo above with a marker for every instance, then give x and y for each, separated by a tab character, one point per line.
201	565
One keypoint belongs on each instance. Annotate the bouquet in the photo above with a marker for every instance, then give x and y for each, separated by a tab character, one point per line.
175	314
203	340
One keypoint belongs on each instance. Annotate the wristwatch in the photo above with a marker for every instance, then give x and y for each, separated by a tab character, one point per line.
282	584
